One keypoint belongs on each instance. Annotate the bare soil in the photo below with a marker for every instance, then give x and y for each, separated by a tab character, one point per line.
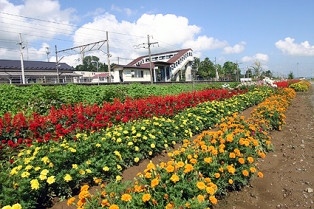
288	171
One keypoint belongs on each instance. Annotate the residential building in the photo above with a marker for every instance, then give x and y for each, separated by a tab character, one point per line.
166	66
35	72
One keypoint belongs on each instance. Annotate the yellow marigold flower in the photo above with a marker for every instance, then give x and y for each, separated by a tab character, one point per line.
98	145
114	206
245	173
50	165
146	197
201	198
88	170
126	197
118	178
44	172
136	148
180	164
51	179
37	168
28	167
7	207
130	143
70	201
88	162
213	200
208	160
25	174
174	178
201	185
67	177
34	184
106	168
16	206
42	177
119	140
230	181
136	159
153	146
154	182
82	172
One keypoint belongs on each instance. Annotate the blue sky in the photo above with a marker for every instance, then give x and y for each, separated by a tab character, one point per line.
278	34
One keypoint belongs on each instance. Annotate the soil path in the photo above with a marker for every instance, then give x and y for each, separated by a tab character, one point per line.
288	171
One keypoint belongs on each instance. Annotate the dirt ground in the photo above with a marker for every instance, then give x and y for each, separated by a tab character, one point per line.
288	171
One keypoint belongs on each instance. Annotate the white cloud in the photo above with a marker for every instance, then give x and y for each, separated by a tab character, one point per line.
128	11
204	43
289	47
34	19
259	57
238	48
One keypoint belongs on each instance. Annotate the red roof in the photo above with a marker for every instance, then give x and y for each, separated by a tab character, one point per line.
101	75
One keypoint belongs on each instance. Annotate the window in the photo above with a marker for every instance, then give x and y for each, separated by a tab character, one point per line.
101	78
137	73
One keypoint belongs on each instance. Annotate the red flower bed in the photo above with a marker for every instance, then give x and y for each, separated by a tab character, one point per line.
70	120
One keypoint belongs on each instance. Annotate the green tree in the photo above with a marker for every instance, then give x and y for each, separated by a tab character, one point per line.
206	69
257	69
90	64
230	70
291	75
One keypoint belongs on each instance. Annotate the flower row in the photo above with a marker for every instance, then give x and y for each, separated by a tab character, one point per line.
58	168
205	168
69	120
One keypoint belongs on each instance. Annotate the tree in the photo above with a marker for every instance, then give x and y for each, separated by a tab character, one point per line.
206	69
257	69
230	70
291	75
90	64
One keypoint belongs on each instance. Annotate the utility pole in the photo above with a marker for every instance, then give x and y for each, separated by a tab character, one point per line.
57	64
22	61
108	55
150	56
47	52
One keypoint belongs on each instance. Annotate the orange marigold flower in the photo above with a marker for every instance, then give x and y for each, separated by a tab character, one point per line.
262	154
154	182
213	200
180	164
217	175
169	206
138	188
174	178
166	196
253	170
84	194
201	185
151	166
245	173
154	202
126	197
208	160
210	190
114	206
169	168
105	203
207	180
260	174
193	161
146	197
188	168
71	201
84	188
148	175
103	193
241	160
250	159
232	155
215	152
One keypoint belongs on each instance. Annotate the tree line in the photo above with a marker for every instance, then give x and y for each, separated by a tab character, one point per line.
204	69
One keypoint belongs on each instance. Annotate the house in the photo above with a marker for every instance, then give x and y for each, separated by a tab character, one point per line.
35	72
92	77
166	66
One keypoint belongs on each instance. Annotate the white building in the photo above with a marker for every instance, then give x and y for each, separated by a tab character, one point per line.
166	66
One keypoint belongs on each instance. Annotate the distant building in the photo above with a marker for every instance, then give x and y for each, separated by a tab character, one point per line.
35	72
166	66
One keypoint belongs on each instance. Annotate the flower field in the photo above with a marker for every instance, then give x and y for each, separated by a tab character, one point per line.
198	173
